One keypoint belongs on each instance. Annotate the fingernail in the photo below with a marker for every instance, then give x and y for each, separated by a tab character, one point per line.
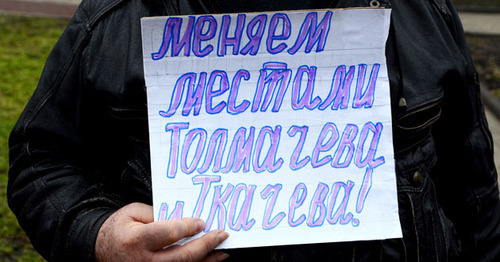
221	236
200	225
222	256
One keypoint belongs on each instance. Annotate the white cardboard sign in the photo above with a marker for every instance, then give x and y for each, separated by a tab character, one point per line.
275	127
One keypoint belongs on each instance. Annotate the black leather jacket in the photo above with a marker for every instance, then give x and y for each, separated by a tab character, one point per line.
80	150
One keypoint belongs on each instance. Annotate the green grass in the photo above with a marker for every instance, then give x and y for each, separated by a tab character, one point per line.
25	43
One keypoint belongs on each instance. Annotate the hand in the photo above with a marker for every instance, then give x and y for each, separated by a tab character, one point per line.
131	235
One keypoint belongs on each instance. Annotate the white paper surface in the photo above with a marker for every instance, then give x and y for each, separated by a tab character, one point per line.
312	163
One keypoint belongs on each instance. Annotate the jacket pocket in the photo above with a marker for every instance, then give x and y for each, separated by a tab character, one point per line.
127	113
129	121
421	117
413	127
427	233
136	177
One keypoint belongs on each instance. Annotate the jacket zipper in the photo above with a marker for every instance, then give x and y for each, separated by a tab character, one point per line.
418	111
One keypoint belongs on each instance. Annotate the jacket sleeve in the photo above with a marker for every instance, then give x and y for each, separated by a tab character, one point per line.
466	177
56	186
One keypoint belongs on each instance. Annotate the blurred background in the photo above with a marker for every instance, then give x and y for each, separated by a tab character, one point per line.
29	30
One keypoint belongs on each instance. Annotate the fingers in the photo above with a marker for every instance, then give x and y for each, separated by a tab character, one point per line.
131	235
139	212
197	250
216	257
117	238
200	247
159	234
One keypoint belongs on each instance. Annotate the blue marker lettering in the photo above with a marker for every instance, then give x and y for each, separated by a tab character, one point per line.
365	98
346	142
242	219
324	147
206	182
294	163
217	141
211	93
240	151
191	135
174	146
254	35
225	40
218	208
277	79
318	205
270	164
171	34
370	156
339	215
306	100
200	36
232	108
272	36
340	90
272	193
298	197
317	33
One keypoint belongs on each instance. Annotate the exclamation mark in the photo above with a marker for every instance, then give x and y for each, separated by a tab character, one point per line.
363	193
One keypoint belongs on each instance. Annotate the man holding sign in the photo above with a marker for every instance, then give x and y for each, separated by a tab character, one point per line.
275	127
307	135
